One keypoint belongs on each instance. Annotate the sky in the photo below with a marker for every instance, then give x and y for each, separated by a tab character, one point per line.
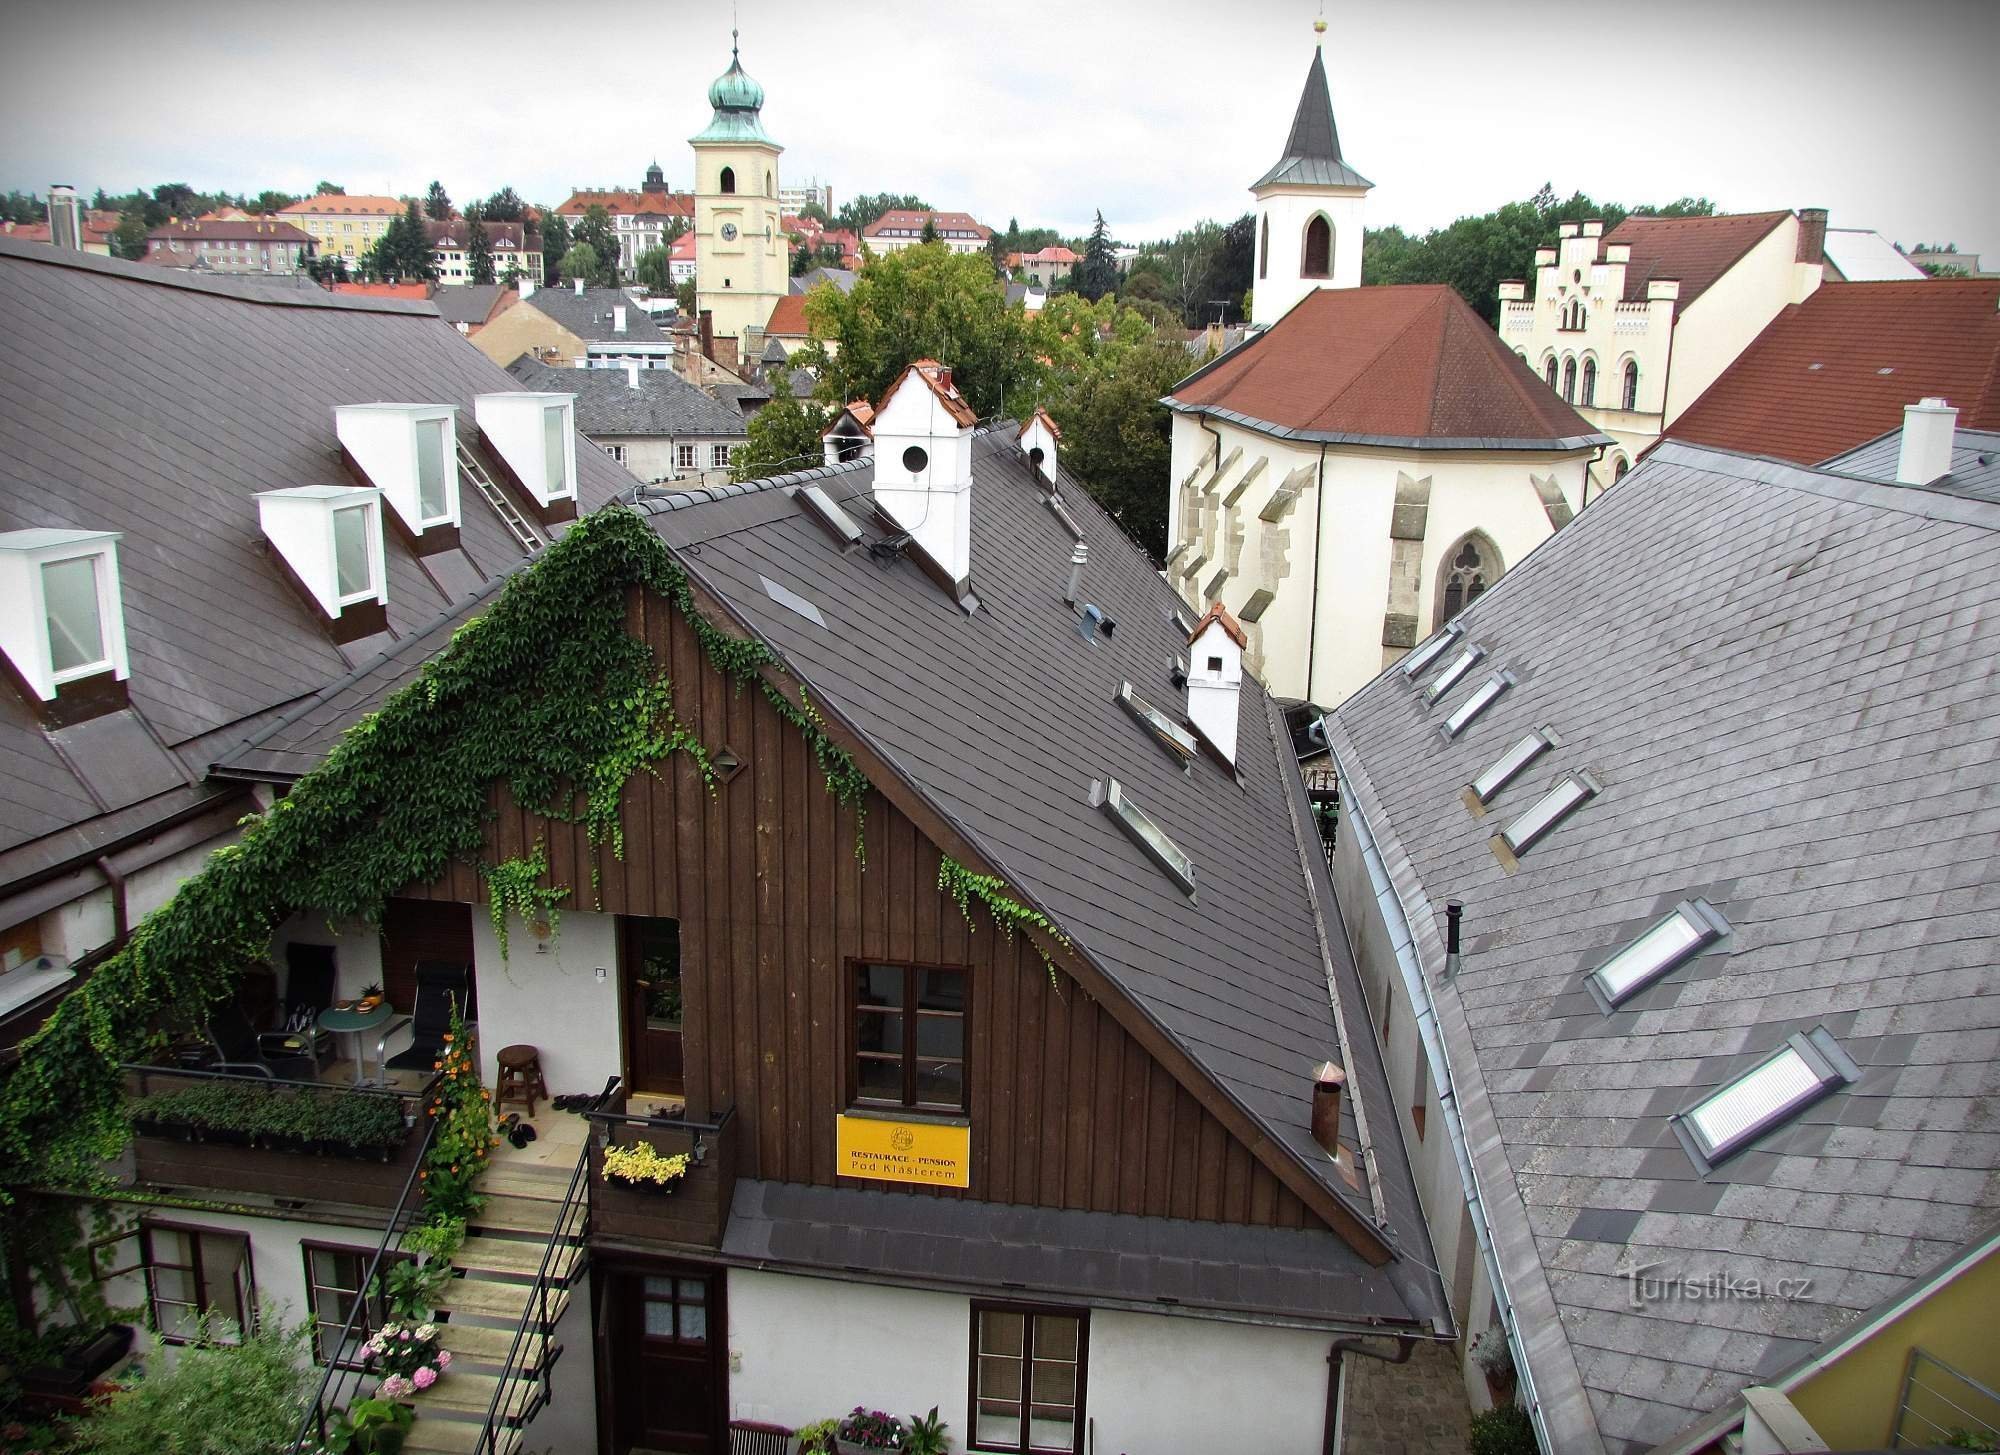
1159	114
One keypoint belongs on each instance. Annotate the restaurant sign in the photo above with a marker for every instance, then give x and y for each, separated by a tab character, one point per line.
890	1151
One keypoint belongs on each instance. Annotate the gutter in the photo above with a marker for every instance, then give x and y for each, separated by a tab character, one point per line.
1397	923
1319	554
1557	444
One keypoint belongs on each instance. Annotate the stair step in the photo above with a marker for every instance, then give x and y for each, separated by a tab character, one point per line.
508	1212
470	1342
516	1258
487	1298
457	1437
527	1180
472	1394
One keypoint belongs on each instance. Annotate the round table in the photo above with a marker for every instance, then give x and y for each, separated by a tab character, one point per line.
356	1023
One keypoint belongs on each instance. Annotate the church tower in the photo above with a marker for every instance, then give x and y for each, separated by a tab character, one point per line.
1308	209
741	255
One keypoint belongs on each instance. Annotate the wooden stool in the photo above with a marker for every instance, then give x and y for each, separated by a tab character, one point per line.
520	1078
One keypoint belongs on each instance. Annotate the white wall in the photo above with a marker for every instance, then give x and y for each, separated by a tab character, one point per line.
1278	286
548	995
1156	1378
1728	316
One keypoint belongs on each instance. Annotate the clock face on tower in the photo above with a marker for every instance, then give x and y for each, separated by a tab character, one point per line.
729	232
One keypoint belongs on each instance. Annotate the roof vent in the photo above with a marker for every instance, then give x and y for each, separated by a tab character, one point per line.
820	506
409	453
329	539
62	615
1140	828
1079	557
534	436
1328	1081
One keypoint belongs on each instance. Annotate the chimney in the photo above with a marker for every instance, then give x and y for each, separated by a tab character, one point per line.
579	287
65	218
618	318
1812	234
1328	1081
708	335
1215	679
1078	559
631	376
923	466
527	287
1928	431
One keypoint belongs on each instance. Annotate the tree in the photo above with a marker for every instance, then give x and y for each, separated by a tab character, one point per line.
580	262
1235	267
597	232
329	189
857	212
437	205
783	435
930	234
813	212
478	249
327	268
504	206
128	240
170	200
268	202
684	297
403	253
654	271
1185	265
244	1398
1097	274
555	243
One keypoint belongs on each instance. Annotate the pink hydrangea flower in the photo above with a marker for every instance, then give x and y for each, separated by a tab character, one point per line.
394	1387
425	1377
444	1359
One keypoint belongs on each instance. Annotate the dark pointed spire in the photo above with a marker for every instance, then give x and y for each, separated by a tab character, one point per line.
1312	151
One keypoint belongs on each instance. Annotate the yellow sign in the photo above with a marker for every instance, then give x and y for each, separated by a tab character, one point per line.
932	1152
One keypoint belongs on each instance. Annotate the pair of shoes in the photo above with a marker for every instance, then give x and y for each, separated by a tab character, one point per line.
572	1101
515	1130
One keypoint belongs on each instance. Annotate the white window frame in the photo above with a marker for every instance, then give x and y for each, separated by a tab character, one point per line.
1663	947
1569	793
718	457
24	608
685	456
1510	764
370	528
1805	1069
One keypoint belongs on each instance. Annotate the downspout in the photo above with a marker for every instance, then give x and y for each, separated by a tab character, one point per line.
1397	924
1405	1346
1596	455
1319	554
121	925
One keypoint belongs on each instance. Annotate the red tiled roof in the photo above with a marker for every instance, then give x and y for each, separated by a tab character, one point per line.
630	204
350	206
1047	423
1695	250
788	316
1056	254
914	222
683	248
1836	370
860	411
1410	362
938	379
249	230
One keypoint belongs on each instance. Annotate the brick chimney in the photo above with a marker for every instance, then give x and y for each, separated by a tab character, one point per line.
1328	1082
1812	234
708	335
1929	428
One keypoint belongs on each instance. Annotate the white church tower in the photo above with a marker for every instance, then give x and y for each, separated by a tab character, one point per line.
741	255
1308	209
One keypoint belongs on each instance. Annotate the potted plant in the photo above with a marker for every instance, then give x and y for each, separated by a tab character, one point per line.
819	1438
1496	1361
407	1357
926	1435
642	1168
867	1429
371	996
371	1427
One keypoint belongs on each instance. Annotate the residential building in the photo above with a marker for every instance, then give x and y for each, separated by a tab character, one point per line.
786	328
1028	295
260	245
681	257
344	226
742	262
652	421
1630	328
643	219
810	193
515	249
1947	259
1348	478
903	228
1837	370
586	328
1044	267
469	307
1674	910
1857	255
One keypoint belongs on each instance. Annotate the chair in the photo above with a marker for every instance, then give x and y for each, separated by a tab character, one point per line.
440	985
754	1437
309	979
241	1048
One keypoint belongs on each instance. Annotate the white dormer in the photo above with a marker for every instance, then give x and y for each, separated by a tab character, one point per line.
923	464
535	435
331	538
62	617
1215	679
409	452
1039	437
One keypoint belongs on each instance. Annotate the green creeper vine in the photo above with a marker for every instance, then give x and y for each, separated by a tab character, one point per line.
547	693
1009	913
515	884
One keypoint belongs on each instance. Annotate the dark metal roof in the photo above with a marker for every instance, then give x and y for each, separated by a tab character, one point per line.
157	404
1793	720
608	406
591	315
1312	151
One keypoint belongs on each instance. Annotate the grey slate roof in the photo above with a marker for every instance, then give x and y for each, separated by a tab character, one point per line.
157	404
608	407
1001	719
466	302
590	315
841	278
1312	151
1975	463
1786	684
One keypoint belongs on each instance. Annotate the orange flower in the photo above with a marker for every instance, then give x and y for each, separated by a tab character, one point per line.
447	1038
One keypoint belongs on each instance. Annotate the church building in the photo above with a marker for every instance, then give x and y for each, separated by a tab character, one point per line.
742	260
1370	460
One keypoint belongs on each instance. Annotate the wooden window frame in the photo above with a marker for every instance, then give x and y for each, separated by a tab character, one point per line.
371	1319
1029	1312
246	1292
674	1301
909	1012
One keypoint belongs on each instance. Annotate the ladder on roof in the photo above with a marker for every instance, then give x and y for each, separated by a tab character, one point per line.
503	504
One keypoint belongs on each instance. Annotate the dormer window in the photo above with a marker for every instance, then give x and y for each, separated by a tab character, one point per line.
329	539
407	451
555	449
534	436
353	568
61	612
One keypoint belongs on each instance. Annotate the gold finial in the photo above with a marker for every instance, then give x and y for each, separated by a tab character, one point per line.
1319	27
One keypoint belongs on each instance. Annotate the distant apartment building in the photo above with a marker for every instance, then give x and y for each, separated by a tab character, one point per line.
342	226
810	193
1047	266
902	228
256	245
642	219
515	249
681	259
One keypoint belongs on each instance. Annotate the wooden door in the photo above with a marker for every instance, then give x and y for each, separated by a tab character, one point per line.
422	929
668	1332
650	968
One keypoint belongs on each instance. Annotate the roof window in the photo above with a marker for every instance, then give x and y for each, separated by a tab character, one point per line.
1484	697
1504	769
409	453
1141	829
1806	1068
1430	651
62	615
1464	662
330	537
1170	734
1694	925
1061	512
1570	793
819	505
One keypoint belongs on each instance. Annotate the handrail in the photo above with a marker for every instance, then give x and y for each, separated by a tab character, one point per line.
315	1418
273	1083
634	1119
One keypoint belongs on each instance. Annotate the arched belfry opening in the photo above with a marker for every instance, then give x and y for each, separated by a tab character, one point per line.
1317	259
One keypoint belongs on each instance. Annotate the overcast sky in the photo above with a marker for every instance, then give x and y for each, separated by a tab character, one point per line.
1160	113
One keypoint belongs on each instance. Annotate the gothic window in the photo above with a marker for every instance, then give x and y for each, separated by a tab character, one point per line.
1574	316
729	179
1318	262
1589	382
1468	570
1569	381
1632	384
1618	470
1264	249
1549	371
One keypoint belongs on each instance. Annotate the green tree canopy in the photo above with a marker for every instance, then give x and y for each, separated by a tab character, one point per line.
478	249
654	270
1097	274
437	204
329	189
857	212
555	245
504	206
268	202
600	234
580	262
783	435
403	253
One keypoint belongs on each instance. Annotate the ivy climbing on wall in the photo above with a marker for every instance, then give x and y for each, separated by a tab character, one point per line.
547	692
516	885
1009	913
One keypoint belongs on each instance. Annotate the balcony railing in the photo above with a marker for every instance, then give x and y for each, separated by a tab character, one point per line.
696	1213
305	1141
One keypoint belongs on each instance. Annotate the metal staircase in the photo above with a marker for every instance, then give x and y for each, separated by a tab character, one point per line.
503	504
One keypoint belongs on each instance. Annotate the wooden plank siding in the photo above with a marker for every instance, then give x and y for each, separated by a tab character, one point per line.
1068	1109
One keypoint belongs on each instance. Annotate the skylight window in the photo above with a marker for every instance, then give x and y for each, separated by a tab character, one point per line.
1570	793
820	506
1148	835
1693	925
1170	733
1430	651
1450	677
1504	769
1484	697
1775	1090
